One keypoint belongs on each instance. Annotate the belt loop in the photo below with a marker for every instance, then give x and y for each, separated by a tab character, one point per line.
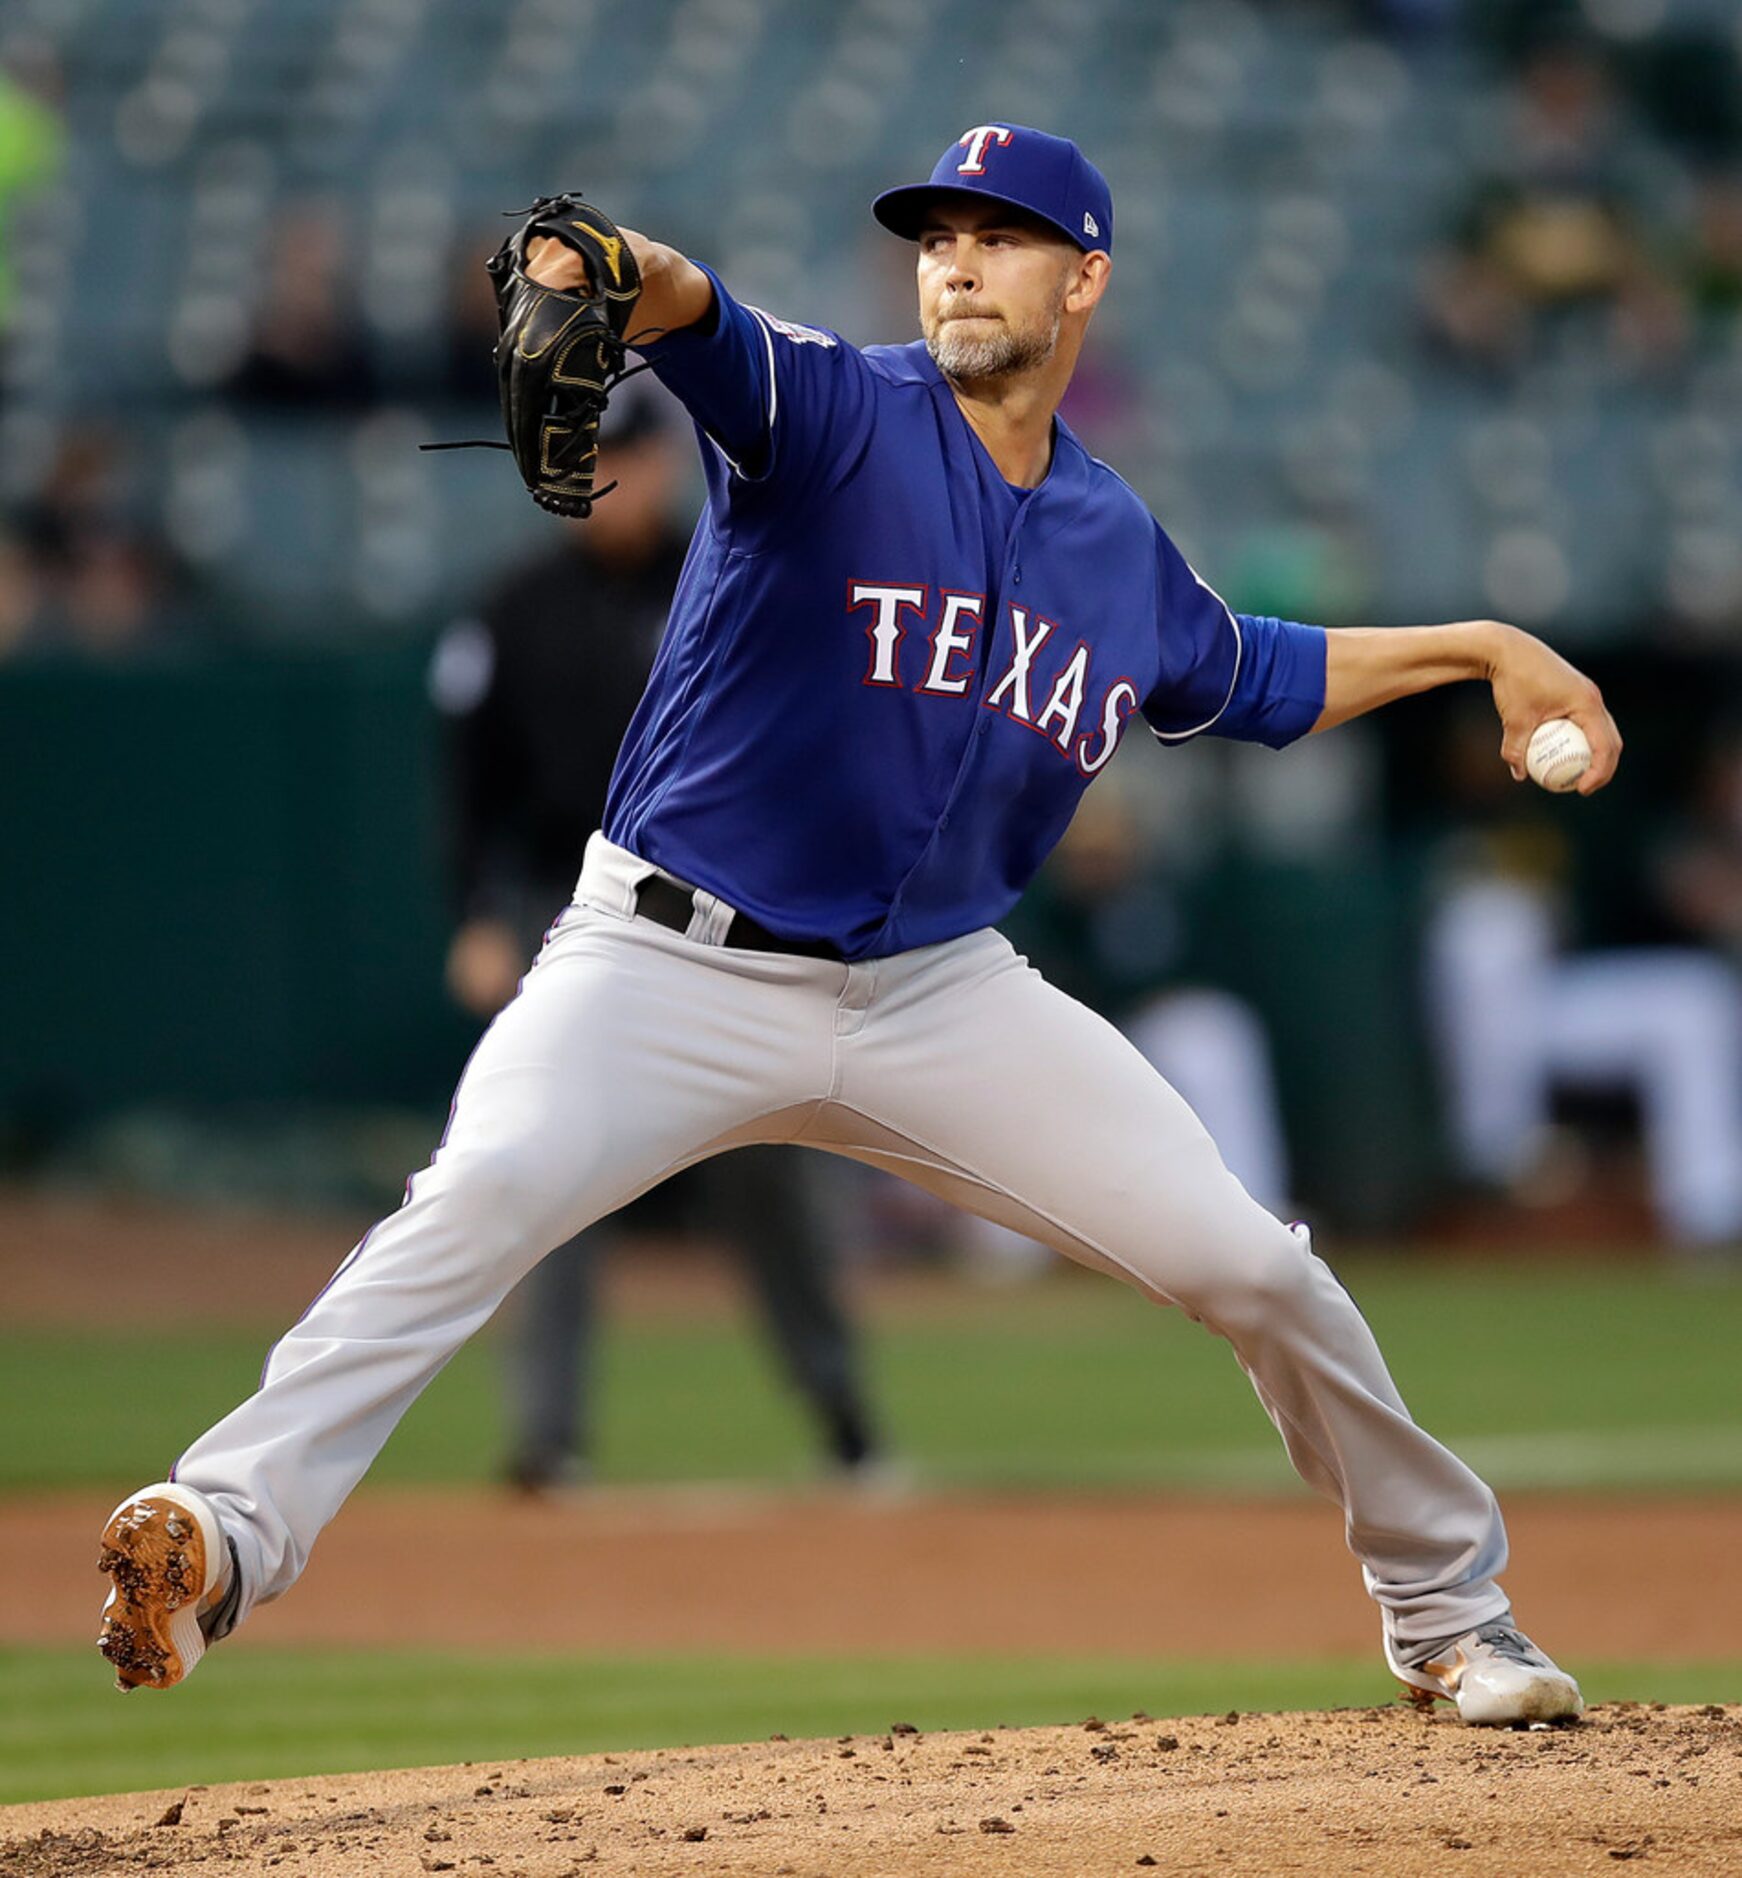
611	876
711	920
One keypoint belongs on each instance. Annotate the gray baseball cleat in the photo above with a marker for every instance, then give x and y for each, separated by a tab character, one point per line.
1495	1675
175	1585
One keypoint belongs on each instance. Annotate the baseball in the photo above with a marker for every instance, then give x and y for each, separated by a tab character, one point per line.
1558	755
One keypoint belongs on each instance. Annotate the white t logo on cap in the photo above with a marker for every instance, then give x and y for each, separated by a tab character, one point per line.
974	164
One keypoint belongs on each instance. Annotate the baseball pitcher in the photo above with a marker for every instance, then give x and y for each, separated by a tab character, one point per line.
915	621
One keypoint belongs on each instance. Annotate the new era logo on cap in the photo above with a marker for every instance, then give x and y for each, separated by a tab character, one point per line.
1032	170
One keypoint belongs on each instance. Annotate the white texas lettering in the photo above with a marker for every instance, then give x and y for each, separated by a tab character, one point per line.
1015	681
1065	700
947	641
1121	702
949	670
884	632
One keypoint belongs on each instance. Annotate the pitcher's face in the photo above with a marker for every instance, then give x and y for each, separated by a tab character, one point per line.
992	288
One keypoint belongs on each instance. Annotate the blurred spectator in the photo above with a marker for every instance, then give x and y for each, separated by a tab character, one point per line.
307	350
1713	269
20	595
1700	874
468	372
84	572
31	146
1548	244
1518	1014
539	688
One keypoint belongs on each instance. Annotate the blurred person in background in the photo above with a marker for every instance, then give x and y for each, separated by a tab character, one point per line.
20	595
1519	1013
1712	262
465	371
1549	246
1699	874
538	688
89	573
307	350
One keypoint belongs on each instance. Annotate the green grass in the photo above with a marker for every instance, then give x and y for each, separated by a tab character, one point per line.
1557	1376
259	1713
1600	1377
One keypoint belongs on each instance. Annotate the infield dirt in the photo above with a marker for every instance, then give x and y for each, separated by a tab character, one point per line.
1382	1791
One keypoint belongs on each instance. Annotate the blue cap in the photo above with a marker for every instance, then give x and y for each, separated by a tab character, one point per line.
1047	176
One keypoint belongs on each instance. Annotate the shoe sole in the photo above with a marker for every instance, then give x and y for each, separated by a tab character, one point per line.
1547	1700
162	1562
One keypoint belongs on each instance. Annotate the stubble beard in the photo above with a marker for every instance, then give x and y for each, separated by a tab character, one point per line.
977	357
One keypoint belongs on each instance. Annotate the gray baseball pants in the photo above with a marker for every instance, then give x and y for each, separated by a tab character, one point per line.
633	1050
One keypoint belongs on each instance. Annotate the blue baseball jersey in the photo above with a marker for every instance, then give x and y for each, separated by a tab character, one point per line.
889	674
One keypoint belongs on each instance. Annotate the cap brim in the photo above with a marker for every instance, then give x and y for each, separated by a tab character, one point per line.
903	211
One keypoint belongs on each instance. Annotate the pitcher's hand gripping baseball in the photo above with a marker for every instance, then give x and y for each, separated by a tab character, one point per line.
561	349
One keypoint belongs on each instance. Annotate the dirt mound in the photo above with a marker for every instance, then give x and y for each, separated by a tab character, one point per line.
1385	1791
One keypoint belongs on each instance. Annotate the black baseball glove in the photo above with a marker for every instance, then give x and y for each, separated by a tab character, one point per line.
561	352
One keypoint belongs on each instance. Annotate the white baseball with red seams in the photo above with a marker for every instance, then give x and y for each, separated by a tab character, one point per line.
1558	754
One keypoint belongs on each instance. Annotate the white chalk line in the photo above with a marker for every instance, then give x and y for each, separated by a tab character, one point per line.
1701	1456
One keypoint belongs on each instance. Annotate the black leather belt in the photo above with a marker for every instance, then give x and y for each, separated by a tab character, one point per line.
667	904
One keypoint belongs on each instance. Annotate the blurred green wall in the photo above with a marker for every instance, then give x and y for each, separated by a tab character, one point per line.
221	883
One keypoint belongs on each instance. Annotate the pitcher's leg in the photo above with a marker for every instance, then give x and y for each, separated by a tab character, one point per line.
622	1058
1019	1102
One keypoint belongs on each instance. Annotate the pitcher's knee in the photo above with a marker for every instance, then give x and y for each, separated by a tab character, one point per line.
1264	1279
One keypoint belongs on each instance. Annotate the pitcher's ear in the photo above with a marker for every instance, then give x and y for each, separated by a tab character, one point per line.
1093	272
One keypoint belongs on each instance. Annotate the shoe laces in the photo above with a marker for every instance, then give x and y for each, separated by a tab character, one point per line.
1508	1641
1501	1636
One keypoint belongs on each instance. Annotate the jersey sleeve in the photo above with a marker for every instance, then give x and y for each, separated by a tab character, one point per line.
1254	679
782	406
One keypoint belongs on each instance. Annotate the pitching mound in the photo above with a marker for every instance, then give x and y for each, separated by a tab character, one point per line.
1385	1791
